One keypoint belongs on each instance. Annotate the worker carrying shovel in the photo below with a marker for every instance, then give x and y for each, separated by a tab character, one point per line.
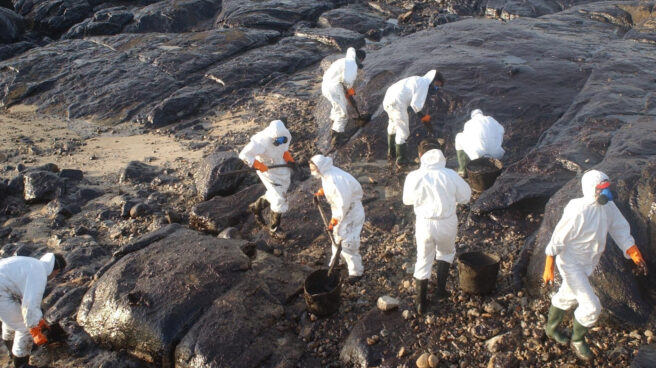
408	92
344	194
22	284
267	148
337	87
577	243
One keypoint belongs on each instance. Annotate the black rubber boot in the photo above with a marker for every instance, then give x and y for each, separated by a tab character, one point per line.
578	344
463	160
9	344
401	160
391	153
22	362
442	276
257	207
553	321
274	227
420	298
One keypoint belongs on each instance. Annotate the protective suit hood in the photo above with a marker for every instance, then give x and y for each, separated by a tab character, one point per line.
430	75
277	129
322	162
350	54
48	260
476	112
588	183
433	158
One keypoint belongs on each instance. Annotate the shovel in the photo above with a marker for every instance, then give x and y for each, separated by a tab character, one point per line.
330	235
250	169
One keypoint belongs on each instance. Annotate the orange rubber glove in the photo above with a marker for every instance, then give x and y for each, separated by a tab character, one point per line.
260	166
350	92
635	254
548	274
425	119
43	324
320	192
333	222
37	336
288	157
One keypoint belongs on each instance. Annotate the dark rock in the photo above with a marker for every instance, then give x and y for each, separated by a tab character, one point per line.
16	185
127	205
221	212
140	210
357	352
272	14
86	194
11	26
173	16
646	357
72	174
41	186
227	233
53	17
10	50
104	22
138	172
355	18
146	285
208	181
19	249
146	240
256	67
58	208
503	360
66	306
179	105
339	38
4	231
51	167
240	330
284	280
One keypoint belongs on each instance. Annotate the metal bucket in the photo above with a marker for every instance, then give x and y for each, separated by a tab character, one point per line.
322	294
478	272
482	172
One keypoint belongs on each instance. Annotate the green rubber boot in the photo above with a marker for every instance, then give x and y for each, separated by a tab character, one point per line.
463	160
578	344
551	328
390	146
401	159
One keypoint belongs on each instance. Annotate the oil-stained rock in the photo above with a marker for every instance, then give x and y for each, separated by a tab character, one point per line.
220	212
208	181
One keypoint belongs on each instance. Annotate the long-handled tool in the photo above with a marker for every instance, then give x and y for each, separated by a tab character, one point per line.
250	169
332	240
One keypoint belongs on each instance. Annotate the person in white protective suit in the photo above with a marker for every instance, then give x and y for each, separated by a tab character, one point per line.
344	194
22	283
337	87
481	136
434	191
266	148
577	243
408	92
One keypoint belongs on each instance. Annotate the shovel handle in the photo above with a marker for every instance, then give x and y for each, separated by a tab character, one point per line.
250	169
332	240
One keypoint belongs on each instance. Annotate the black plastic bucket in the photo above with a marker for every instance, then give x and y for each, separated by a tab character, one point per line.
322	294
478	272
482	172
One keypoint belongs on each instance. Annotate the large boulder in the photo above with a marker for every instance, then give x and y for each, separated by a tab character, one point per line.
272	14
147	300
41	186
104	22
355	18
53	17
138	172
11	26
173	16
221	212
208	181
339	38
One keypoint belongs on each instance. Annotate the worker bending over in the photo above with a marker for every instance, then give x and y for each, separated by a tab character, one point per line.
481	136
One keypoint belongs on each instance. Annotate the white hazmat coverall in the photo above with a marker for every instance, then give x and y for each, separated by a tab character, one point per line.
578	241
408	92
434	190
22	283
275	180
341	73
481	136
344	194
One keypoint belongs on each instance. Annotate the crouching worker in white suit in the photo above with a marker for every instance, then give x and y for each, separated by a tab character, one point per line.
266	148
481	136
434	191
344	194
577	243
22	283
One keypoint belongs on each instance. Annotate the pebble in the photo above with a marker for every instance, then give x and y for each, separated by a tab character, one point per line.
648	333
277	252
493	307
373	340
401	352
406	314
422	361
